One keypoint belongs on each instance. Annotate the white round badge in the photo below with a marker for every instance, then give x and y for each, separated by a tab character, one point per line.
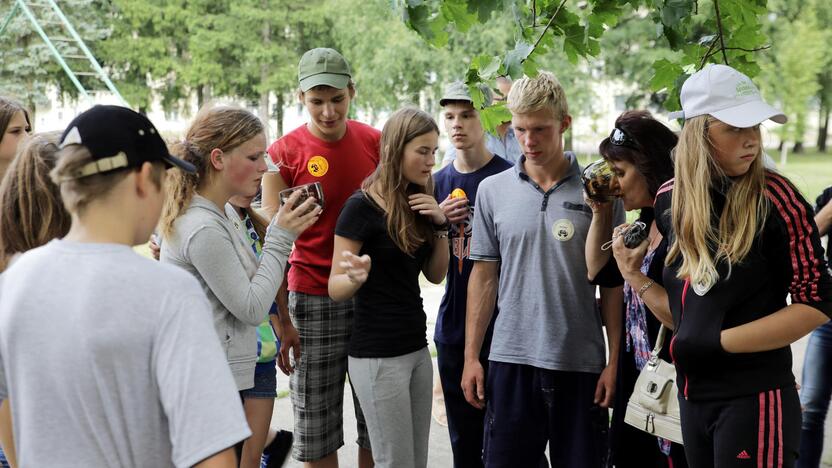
563	230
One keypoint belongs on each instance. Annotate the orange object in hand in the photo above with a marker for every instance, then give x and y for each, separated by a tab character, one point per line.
459	193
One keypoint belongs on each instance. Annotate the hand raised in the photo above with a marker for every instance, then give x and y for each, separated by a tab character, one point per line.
356	268
426	205
297	219
455	209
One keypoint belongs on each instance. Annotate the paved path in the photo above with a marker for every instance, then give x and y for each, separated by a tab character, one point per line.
440	449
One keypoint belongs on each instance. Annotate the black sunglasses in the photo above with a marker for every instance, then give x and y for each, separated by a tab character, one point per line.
619	137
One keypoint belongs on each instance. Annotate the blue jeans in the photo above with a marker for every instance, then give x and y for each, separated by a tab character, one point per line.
815	391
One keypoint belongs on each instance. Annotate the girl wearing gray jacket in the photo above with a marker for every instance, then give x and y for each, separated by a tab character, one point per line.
227	145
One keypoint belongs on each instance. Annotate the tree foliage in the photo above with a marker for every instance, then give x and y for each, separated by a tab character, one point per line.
695	32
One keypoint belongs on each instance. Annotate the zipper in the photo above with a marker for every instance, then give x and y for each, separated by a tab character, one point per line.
673	340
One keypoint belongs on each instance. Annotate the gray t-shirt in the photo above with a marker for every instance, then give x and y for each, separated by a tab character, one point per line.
110	359
548	315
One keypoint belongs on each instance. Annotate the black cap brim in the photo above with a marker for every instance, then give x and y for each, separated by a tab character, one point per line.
172	161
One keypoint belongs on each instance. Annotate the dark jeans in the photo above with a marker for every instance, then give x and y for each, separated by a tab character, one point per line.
528	407
815	391
465	423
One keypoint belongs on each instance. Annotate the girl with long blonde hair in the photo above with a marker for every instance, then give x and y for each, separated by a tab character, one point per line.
395	224
742	239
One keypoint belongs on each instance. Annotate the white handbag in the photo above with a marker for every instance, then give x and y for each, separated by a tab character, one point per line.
653	406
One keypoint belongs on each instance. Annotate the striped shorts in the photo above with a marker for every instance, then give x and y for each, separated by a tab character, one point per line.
317	385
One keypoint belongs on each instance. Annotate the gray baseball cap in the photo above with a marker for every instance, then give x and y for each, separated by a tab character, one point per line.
323	66
458	91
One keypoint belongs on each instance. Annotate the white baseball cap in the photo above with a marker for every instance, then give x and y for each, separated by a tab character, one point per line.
727	95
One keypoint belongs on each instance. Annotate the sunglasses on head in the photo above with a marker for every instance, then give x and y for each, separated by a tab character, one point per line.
619	137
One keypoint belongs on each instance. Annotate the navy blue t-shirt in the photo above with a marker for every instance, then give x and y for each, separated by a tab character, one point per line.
450	324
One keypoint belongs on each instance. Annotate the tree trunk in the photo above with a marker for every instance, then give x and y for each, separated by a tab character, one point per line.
798	147
263	109
823	127
784	153
278	113
200	96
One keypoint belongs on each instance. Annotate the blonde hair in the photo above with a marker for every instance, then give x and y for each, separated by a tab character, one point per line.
407	229
78	193
221	127
701	244
533	94
31	212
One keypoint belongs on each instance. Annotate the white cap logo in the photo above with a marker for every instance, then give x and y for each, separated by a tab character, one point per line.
73	137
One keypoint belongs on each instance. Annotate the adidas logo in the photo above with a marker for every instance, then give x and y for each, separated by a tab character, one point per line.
743	456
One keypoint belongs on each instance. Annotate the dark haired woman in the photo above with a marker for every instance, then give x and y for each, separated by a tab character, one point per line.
638	151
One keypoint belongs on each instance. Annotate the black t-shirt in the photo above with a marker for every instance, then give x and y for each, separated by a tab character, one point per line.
389	318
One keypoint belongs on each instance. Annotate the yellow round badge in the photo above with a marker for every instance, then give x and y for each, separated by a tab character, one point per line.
563	230
317	166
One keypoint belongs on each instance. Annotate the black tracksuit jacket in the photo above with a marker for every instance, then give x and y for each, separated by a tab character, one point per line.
786	258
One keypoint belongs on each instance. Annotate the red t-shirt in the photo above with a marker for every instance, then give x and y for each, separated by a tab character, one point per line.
340	167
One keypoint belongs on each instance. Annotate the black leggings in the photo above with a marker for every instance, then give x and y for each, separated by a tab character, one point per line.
761	430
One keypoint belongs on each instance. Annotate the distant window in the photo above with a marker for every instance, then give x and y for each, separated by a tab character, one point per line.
620	103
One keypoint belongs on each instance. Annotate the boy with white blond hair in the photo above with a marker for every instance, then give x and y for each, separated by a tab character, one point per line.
548	379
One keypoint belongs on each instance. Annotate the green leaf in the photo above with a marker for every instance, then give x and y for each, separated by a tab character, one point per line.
665	74
513	62
487	66
484	8
674	11
573	42
493	116
530	68
477	97
430	27
456	12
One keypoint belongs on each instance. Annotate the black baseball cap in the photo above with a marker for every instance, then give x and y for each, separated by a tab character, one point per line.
118	138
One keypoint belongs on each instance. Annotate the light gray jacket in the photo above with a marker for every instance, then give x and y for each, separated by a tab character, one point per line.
241	291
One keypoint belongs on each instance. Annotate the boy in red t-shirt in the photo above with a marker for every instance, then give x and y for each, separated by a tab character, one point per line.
339	153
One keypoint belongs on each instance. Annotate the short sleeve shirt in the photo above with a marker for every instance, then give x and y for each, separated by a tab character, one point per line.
117	365
389	319
548	314
450	322
340	167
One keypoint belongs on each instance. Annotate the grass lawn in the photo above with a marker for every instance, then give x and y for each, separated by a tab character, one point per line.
811	171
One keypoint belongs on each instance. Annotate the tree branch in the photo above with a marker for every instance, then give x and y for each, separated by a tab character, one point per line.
708	53
749	50
534	13
549	24
721	35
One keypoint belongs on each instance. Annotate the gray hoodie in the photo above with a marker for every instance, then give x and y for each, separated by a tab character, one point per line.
241	291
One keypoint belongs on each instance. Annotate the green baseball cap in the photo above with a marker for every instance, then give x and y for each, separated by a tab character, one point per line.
323	66
458	91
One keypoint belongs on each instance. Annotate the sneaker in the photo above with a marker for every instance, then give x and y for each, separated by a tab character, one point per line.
277	452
